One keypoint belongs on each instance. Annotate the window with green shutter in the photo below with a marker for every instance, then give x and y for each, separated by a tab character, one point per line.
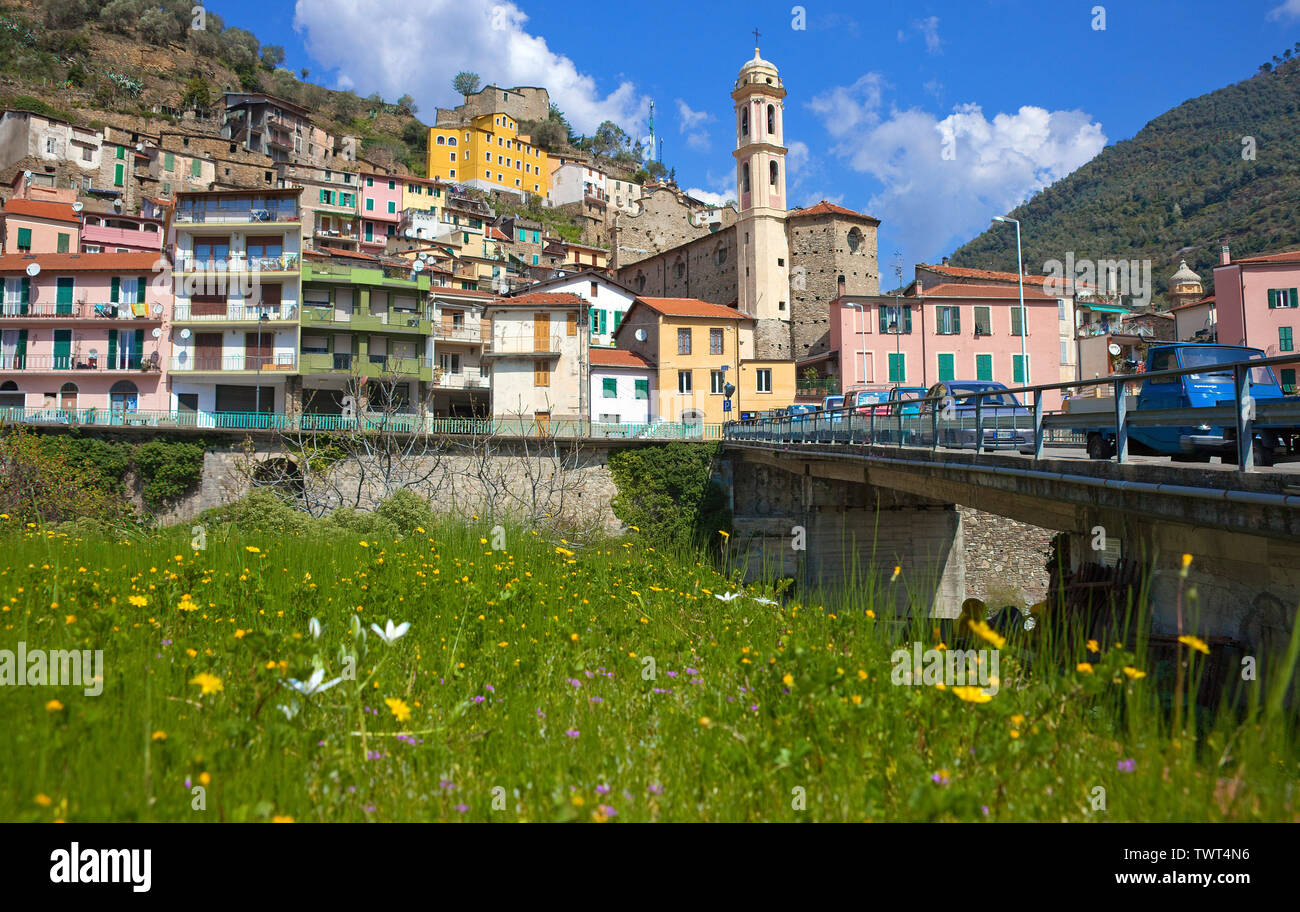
1018	369
24	294
897	367
604	322
946	368
370	204
643	389
1015	321
139	289
64	240
392	206
594	321
537	237
983	367
609	388
1284	342
24	239
63	295
114	290
195	166
1288	380
983	321
169	161
1283	297
121	151
947	321
118	175
522	234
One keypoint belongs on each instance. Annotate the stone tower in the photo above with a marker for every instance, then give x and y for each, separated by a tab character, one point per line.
1184	286
763	264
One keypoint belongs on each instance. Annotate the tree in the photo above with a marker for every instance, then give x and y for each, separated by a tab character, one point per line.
609	138
548	135
272	56
121	15
466	84
304	72
415	134
347	105
196	94
241	47
65	14
407	104
656	170
157	26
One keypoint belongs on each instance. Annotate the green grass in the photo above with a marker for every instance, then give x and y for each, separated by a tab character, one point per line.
526	675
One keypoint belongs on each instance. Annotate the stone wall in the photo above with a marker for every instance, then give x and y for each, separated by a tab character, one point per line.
704	268
819	254
1004	555
521	102
663	223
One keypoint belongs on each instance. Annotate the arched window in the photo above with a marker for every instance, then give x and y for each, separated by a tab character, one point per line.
123	396
744	121
442	140
744	178
680	268
855	240
771	174
8	387
640	281
771	120
68	397
451	141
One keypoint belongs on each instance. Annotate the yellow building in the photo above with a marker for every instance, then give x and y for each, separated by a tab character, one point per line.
423	195
489	154
696	349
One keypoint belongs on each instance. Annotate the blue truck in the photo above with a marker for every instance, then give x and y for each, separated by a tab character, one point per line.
1207	388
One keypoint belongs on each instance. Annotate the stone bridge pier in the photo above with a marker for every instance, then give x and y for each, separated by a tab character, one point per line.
843	533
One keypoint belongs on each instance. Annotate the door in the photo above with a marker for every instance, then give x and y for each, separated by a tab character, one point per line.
257	350
271	300
343	305
207	351
542	423
187	403
62	349
541	332
245	399
63	297
208	305
68	397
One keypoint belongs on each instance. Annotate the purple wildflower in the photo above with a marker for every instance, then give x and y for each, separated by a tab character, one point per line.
1126	766
572	732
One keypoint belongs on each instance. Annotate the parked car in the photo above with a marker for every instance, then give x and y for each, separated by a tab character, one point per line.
797	411
867	399
1203	389
1006	423
901	396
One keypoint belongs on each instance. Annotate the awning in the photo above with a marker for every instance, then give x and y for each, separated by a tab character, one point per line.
1107	308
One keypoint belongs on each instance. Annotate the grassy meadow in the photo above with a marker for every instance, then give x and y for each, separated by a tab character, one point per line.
547	681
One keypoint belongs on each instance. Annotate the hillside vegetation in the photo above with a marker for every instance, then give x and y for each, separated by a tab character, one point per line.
1221	168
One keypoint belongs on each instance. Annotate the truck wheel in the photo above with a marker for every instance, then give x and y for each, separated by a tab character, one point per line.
1098	448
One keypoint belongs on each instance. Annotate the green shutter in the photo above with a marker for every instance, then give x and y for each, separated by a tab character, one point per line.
1018	369
112	349
24	238
956	321
323	195
884	318
63	296
139	349
62	243
118	175
169	162
62	349
643	389
609	388
604	314
946	369
1272	298
115	290
121	151
20	350
897	367
618	314
983	367
25	294
139	288
907	318
195	165
1294	301
594	322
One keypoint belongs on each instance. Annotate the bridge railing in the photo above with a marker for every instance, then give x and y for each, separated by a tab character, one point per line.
1000	419
372	422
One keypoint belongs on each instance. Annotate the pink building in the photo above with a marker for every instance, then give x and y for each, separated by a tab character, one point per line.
1257	303
381	210
40	226
84	332
948	332
104	233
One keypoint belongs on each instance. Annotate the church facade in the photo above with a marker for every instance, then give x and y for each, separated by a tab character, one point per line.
780	267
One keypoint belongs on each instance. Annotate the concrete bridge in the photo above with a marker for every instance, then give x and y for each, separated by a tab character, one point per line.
867	508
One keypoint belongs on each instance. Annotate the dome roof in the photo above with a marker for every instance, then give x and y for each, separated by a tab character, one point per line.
1184	275
758	70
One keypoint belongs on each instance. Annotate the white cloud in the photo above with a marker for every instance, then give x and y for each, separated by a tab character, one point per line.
383	47
708	196
928	201
721	189
929	28
689	123
796	160
844	109
1287	9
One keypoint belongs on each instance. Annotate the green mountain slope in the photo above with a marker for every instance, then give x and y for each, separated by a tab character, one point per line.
1178	189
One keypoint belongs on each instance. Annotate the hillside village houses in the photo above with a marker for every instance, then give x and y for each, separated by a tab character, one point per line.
260	265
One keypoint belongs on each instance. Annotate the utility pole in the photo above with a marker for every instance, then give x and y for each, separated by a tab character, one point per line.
652	130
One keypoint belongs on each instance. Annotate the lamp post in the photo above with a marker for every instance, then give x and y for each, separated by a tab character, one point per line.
862	317
257	390
1020	274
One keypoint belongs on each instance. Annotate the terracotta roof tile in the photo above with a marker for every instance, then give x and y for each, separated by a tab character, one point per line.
82	262
965	272
616	357
58	212
1287	256
827	208
1007	292
691	307
544	299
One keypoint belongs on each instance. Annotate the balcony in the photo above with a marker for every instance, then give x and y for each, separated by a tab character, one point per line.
393	321
370	366
231	313
238	264
453	333
524	346
122	362
466	379
236	211
122	237
818	387
78	311
238	363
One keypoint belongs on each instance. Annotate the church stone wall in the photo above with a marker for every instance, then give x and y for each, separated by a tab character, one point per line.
663	222
819	255
690	271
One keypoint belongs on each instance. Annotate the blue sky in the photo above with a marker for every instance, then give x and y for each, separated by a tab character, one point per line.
931	116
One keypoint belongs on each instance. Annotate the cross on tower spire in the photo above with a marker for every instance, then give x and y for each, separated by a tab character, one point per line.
756	39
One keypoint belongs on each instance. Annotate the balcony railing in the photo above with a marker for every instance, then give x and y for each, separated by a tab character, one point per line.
259	211
231	313
285	263
819	387
525	345
121	361
468	378
78	311
374	366
458	333
241	362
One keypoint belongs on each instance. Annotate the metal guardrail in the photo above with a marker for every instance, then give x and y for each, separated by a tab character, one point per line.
371	422
935	421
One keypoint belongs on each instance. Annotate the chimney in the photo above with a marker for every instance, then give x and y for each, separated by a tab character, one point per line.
945	261
1225	256
920	289
839	287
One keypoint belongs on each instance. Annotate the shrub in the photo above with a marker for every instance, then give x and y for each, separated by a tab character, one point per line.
367	525
167	470
666	492
260	511
407	511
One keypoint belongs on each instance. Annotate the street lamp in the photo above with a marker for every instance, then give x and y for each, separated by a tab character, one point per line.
862	319
1020	274
257	393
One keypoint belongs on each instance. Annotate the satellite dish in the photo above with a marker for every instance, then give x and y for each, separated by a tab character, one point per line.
640	335
409	232
27	176
139	147
33	269
157	310
78	206
417	266
1113	348
157	332
185	333
117	204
